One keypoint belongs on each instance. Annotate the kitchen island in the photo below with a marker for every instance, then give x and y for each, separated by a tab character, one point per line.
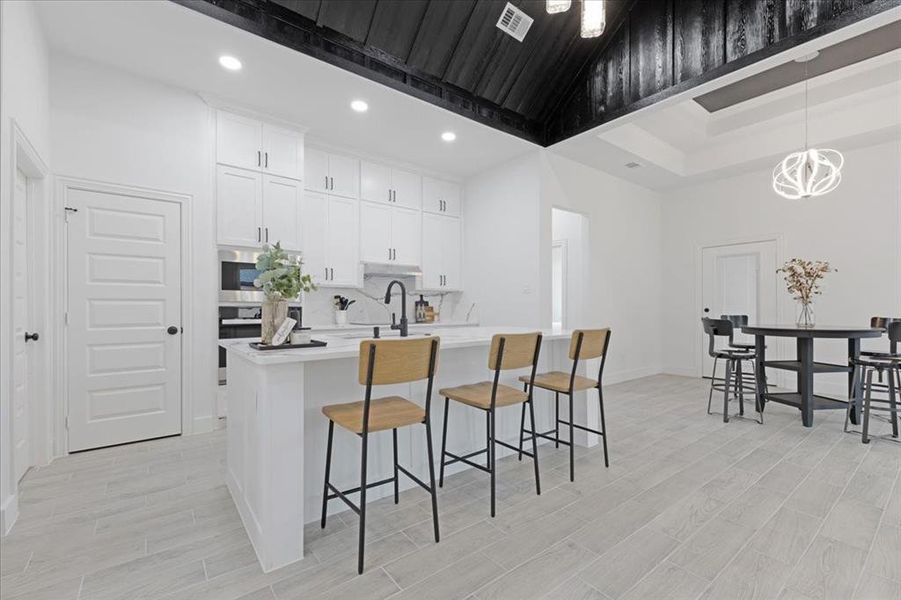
277	433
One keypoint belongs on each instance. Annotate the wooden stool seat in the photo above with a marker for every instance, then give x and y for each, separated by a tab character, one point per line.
479	395
384	413
558	381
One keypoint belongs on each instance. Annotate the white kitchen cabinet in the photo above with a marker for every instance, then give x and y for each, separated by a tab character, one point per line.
332	173
389	234
441	254
250	144
441	197
330	233
239	207
379	183
281	212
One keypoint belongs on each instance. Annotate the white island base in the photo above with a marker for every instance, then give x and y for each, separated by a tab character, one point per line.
277	432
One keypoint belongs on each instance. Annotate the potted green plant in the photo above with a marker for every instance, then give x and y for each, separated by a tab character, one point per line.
281	279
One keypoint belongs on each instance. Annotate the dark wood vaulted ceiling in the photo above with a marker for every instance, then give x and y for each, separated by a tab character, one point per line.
553	84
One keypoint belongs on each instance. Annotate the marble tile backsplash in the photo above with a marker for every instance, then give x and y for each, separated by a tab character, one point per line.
370	307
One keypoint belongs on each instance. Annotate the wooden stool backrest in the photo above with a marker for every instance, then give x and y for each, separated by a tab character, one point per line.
519	350
398	361
594	343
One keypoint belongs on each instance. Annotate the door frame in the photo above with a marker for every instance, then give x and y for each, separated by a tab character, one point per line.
564	313
60	296
779	242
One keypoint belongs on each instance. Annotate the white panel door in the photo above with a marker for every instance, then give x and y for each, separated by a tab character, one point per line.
239	207
343	241
315	170
239	141
21	405
344	176
452	196
314	233
375	182
453	254
432	251
124	309
407	188
738	279
282	152
406	236
375	233
281	211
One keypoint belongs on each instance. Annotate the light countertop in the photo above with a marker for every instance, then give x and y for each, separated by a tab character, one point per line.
347	343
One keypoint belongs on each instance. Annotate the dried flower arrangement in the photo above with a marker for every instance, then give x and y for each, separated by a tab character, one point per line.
802	279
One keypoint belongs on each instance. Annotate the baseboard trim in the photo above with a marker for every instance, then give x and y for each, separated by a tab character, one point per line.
9	512
681	372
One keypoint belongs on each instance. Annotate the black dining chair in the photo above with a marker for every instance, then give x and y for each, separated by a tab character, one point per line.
739	321
888	366
734	381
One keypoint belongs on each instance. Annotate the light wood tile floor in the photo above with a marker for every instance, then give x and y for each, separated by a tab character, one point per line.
689	508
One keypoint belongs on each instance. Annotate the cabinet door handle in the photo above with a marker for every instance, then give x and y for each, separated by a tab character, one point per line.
389	253
389	195
259	158
326	182
332	182
259	234
267	235
266	155
332	273
326	273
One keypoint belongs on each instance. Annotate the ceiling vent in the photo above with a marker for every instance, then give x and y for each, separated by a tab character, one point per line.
515	22
632	165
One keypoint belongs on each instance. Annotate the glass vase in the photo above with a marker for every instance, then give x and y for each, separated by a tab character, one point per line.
805	315
274	314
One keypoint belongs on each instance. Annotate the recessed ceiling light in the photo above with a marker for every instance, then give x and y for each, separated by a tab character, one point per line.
230	62
359	106
448	136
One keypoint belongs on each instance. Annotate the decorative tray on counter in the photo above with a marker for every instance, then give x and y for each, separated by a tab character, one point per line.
312	344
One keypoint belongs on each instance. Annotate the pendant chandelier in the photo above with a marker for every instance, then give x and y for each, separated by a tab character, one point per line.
594	15
811	172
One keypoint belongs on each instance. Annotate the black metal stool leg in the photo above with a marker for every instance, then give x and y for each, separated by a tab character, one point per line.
534	446
726	390
444	442
712	380
328	469
572	442
740	384
893	403
556	419
362	505
853	400
864	437
604	425
522	421
434	492
396	479
491	418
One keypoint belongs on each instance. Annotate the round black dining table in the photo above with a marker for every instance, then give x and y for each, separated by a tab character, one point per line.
806	367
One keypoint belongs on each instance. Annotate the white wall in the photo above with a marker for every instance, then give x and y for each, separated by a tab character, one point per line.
572	229
856	228
23	98
110	126
501	250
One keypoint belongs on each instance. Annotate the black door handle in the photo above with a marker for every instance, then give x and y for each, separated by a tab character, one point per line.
31	337
172	330
706	310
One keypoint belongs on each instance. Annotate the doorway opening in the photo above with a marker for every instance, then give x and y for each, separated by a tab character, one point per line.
569	268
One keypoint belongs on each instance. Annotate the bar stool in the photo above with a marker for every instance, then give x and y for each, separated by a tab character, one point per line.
739	321
384	362
881	323
508	351
884	363
585	344
734	380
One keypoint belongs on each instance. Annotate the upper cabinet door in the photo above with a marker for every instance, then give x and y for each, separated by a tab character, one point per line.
432	251
239	207
432	192
407	188
314	233
375	182
239	141
375	233
451	244
344	176
281	212
282	152
452	197
315	170
406	236
343	242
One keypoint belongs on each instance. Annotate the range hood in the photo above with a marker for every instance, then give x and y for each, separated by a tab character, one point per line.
390	270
